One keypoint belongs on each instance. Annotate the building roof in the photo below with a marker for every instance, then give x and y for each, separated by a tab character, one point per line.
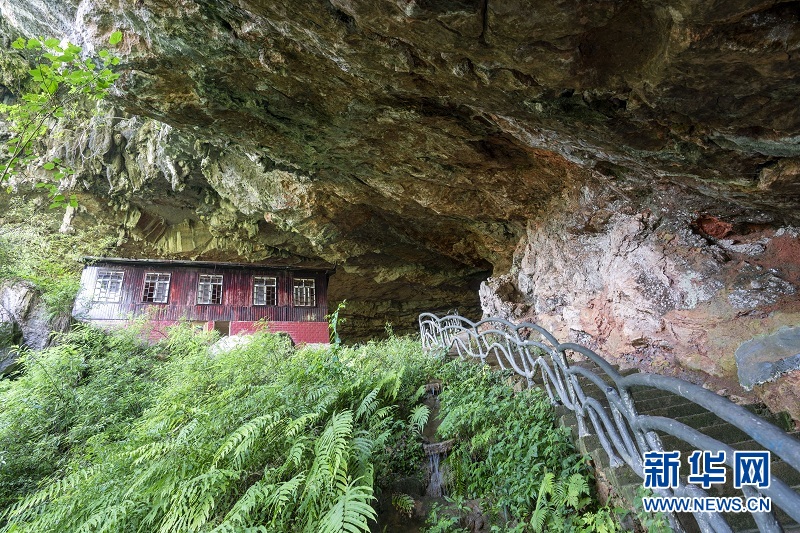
328	268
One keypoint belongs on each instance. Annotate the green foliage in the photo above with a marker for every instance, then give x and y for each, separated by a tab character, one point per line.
419	417
334	322
572	494
71	400
260	438
444	519
61	81
403	503
510	453
650	522
38	254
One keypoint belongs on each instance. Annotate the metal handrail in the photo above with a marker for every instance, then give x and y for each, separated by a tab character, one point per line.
624	434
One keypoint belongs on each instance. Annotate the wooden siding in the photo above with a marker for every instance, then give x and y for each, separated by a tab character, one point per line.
237	295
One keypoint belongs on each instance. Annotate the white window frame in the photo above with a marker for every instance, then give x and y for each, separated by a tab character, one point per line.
108	286
160	287
304	292
260	286
205	289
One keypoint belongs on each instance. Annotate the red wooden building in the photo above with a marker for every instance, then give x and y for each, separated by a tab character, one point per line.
230	298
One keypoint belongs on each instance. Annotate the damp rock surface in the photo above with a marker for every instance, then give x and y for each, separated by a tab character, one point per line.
766	358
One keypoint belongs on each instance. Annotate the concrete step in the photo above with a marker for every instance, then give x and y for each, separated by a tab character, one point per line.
745	523
643	394
678	410
647	407
750	444
655	402
783	419
700	420
723	432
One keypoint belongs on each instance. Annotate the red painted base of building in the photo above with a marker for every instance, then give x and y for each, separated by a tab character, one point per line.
300	332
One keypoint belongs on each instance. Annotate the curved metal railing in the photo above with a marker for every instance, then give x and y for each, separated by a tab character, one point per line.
625	435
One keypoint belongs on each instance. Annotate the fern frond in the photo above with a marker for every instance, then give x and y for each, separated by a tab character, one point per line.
332	446
403	503
391	383
419	417
368	404
383	412
242	439
294	457
195	499
576	487
108	518
351	512
419	393
49	492
284	493
295	426
538	518
363	447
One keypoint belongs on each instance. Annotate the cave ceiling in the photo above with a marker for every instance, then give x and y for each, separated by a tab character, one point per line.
412	142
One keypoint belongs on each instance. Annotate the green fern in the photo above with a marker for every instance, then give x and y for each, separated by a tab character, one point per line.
418	418
259	439
368	404
403	503
242	439
351	511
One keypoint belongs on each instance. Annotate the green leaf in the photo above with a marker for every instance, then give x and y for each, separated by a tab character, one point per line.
18	44
52	42
49	166
115	38
34	44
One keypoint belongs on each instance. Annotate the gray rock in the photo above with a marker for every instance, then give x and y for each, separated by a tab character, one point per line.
765	358
24	321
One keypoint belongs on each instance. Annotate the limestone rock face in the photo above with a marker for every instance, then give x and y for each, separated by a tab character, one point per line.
24	321
627	172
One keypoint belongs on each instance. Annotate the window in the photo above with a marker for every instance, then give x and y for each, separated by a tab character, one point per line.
156	288
108	287
265	291
304	293
209	289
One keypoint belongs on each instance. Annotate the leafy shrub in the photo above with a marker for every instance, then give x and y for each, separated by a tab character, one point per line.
70	401
509	453
261	438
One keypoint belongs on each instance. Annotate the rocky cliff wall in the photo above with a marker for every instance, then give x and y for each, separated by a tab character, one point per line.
660	286
627	171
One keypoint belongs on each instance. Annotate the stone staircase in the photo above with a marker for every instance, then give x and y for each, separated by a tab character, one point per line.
465	338
624	482
655	402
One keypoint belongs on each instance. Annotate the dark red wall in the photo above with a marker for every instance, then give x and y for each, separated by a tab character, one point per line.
237	295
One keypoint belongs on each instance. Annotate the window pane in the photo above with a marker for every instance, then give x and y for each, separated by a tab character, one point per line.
209	289
156	288
108	287
265	291
304	293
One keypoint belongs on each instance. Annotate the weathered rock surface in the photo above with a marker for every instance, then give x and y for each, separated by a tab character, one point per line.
766	358
24	321
629	172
